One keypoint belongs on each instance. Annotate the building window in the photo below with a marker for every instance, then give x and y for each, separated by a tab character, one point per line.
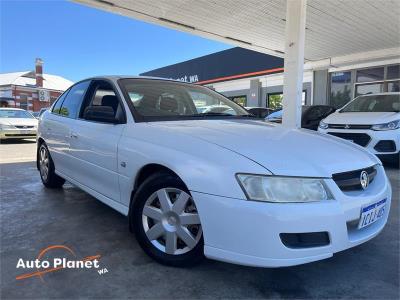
241	100
371	74
393	86
370	88
23	101
340	88
366	81
393	72
377	82
274	100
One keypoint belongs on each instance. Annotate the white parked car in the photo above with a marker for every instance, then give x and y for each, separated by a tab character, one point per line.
230	187
371	121
17	123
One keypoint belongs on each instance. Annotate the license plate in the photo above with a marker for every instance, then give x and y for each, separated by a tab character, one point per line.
372	213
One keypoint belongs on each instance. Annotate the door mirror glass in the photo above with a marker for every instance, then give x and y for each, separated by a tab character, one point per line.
100	113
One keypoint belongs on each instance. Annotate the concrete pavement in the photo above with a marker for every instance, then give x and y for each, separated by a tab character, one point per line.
33	218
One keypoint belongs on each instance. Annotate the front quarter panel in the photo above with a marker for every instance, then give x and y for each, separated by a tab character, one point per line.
203	167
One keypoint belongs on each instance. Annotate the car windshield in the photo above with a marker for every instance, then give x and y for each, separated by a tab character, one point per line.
167	100
11	113
377	103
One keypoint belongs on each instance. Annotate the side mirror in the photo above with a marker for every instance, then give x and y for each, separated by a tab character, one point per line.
100	113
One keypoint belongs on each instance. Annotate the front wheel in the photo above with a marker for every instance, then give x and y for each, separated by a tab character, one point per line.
46	168
166	222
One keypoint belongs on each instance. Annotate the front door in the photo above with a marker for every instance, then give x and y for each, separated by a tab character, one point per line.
94	144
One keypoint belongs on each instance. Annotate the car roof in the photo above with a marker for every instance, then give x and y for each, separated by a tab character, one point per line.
116	77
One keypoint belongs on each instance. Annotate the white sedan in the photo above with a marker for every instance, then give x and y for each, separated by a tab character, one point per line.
16	123
226	186
371	121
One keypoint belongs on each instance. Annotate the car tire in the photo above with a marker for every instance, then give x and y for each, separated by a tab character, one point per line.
46	169
169	248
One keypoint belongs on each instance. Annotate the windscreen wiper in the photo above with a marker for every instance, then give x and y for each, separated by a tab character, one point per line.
211	114
218	114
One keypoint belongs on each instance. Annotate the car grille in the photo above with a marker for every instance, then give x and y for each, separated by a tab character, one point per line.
24	126
361	139
348	126
350	181
20	134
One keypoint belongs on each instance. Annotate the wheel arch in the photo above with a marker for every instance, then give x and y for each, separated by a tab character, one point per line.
152	168
145	172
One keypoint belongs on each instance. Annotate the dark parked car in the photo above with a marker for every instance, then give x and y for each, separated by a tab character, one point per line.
311	115
259	112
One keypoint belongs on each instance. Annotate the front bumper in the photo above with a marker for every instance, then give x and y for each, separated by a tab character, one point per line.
18	134
375	138
248	232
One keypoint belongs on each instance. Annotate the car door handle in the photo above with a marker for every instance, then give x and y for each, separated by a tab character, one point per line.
74	135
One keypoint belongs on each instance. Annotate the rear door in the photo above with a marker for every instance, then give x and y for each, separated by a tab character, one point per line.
94	144
59	123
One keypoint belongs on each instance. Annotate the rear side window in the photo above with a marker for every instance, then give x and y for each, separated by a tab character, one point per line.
73	100
59	101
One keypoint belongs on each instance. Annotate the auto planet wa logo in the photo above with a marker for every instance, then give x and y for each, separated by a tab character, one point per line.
44	266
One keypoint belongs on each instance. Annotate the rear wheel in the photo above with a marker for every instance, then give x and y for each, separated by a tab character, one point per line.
46	168
166	222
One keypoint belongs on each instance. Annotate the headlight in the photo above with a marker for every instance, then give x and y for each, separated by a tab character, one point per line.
387	126
5	126
283	189
323	125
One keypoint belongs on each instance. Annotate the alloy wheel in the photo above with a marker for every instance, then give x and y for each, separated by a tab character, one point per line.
171	221
44	163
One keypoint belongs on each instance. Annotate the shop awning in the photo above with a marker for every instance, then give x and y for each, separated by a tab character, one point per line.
336	31
334	28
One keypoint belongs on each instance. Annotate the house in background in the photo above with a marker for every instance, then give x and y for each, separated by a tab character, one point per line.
31	90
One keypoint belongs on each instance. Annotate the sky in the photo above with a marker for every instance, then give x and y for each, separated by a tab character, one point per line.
76	41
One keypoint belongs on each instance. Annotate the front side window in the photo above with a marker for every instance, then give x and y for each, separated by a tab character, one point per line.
377	103
167	100
18	114
102	95
73	100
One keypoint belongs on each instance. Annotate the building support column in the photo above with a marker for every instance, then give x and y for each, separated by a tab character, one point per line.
294	62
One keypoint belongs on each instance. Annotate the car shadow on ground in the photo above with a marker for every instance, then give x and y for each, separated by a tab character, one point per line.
34	217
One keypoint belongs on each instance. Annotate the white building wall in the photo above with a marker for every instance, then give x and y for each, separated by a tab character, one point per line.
266	81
